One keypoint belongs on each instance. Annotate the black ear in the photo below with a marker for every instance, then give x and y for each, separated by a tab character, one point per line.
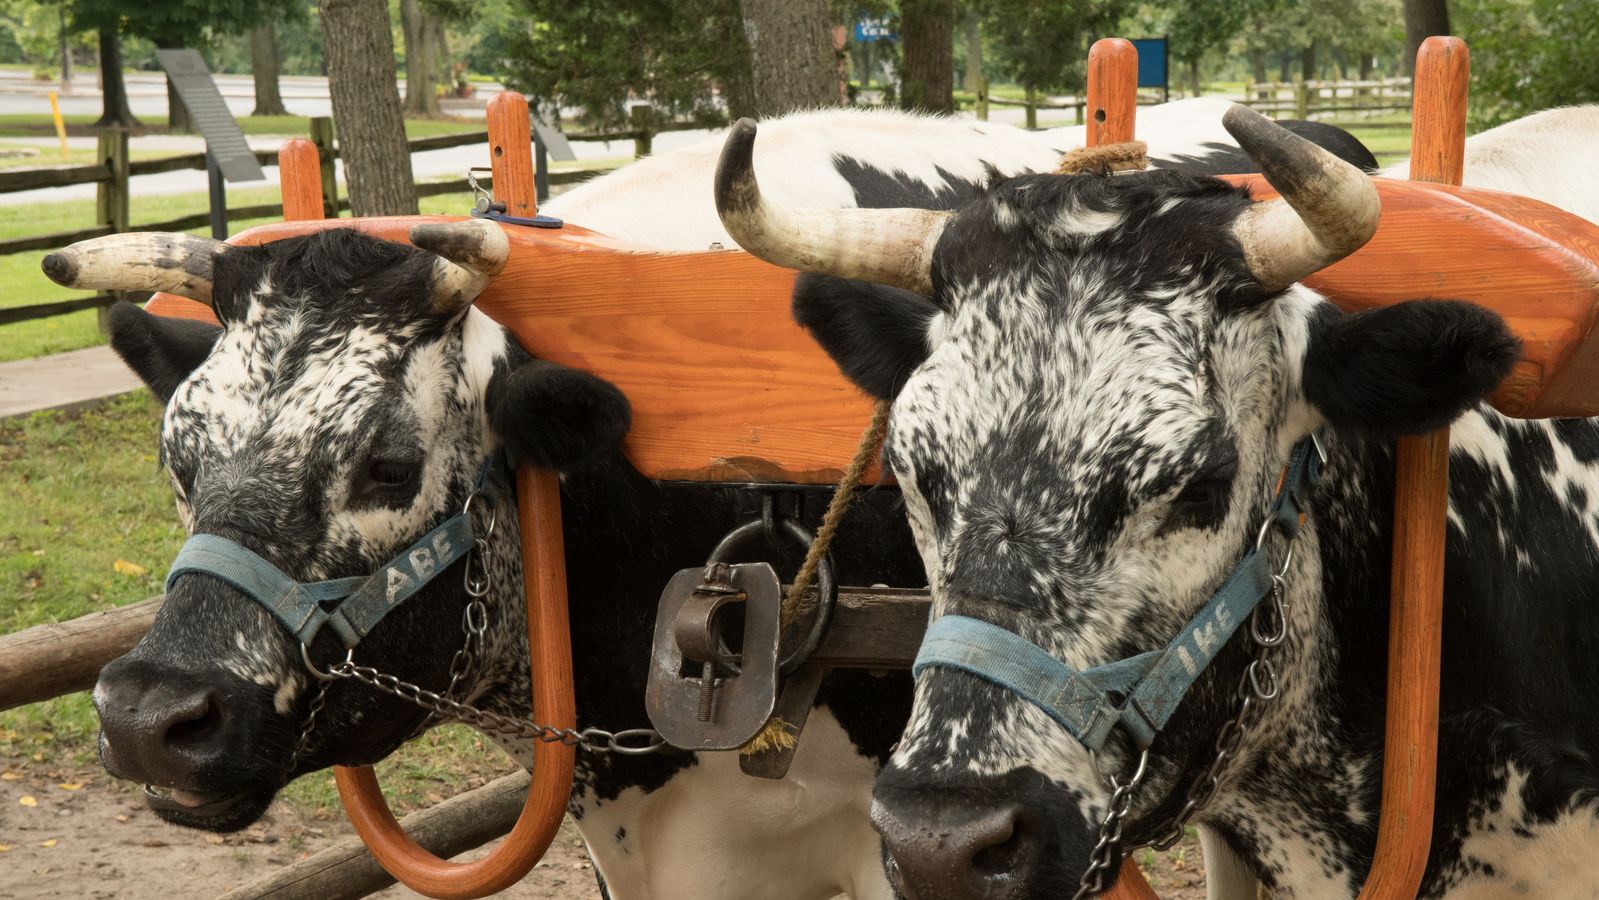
554	417
1407	368
160	350
877	334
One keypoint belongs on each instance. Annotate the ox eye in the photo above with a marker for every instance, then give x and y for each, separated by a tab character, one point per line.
1202	503
392	473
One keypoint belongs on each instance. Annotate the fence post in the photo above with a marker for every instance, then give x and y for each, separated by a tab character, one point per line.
643	135
322	137
982	99
1032	109
111	196
1301	99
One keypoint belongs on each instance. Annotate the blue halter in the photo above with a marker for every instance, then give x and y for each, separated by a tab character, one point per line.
1086	703
352	607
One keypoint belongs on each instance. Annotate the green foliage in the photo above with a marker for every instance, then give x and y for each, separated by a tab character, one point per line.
179	22
1044	45
596	54
1528	55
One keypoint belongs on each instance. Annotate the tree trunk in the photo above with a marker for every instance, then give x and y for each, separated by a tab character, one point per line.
1367	63
1283	66
974	52
1307	62
1423	19
264	68
1193	75
366	107
791	49
62	38
1257	66
421	72
114	111
927	73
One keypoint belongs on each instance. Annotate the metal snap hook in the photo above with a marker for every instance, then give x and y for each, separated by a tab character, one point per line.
305	657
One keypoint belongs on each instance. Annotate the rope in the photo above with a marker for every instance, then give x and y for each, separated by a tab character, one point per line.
1109	159
865	452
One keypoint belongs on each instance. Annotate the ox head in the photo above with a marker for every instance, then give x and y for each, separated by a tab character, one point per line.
1095	384
342	410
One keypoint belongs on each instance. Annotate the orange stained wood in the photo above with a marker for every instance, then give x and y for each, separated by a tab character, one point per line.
1112	91
549	645
724	385
1130	884
300	173
511	153
1421	508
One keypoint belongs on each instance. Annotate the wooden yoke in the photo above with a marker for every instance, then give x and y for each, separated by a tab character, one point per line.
1112	107
1112	91
549	642
1421	508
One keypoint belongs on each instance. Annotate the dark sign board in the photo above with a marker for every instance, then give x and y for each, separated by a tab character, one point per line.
553	140
1151	61
223	139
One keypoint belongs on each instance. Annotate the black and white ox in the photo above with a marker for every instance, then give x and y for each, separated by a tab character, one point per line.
1096	382
344	408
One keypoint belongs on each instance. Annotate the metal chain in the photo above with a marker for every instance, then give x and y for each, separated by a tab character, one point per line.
1110	830
443	707
1259	685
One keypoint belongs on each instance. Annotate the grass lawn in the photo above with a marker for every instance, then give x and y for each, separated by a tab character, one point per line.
49	157
34	124
81	493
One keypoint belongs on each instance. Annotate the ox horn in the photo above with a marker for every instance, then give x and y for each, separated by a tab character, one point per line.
888	246
1328	208
471	252
142	261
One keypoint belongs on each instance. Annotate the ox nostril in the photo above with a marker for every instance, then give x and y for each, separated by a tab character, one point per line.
999	845
193	721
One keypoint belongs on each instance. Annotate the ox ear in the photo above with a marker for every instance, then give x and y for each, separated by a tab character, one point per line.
554	417
877	334
162	351
1407	368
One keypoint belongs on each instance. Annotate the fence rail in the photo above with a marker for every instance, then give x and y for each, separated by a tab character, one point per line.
113	198
1315	99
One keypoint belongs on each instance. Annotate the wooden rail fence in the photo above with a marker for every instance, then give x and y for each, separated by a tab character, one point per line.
113	200
1320	99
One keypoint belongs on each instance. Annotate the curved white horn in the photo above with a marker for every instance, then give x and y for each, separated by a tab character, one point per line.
1328	207
471	252
141	261
888	246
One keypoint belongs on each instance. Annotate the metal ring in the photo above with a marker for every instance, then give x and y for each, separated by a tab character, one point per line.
826	585
305	657
494	512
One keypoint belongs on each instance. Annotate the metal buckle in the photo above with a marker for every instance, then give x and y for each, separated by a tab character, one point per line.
712	711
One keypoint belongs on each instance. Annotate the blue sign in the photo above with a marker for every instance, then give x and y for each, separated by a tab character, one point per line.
873	30
1151	61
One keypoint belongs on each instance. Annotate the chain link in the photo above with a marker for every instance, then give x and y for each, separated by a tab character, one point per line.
1258	685
1110	830
443	706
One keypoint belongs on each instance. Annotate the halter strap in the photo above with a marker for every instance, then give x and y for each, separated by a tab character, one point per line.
1141	692
352	607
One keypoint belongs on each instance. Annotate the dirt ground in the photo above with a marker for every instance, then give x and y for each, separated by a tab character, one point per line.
81	834
84	835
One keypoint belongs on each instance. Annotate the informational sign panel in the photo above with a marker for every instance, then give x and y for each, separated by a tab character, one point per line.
1151	62
223	139
554	141
873	30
